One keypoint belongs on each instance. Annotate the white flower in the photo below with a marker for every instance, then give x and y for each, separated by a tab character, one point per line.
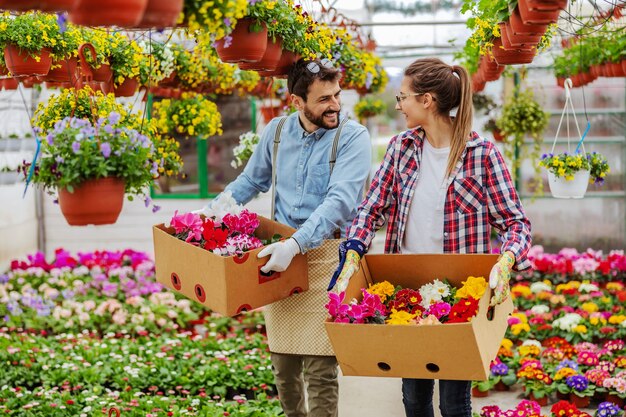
532	342
540	309
568	321
223	205
244	150
537	287
586	287
433	292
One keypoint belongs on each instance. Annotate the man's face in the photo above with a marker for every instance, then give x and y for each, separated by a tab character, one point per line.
323	104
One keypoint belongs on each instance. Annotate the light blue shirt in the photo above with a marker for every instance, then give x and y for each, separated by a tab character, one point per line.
308	197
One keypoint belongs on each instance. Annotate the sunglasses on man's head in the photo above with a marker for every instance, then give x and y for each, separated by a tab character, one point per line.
313	67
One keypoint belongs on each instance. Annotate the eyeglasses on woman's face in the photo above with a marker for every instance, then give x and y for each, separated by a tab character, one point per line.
401	97
314	67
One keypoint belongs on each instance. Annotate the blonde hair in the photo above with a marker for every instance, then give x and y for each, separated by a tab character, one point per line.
450	85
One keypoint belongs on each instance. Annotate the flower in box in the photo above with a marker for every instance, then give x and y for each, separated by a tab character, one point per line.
434	303
225	229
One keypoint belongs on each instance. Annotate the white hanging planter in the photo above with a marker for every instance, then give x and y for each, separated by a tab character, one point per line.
562	188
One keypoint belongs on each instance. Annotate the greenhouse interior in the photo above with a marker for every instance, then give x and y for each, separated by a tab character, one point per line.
311	208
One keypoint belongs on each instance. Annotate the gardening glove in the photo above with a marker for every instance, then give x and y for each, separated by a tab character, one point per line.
350	253
499	278
282	254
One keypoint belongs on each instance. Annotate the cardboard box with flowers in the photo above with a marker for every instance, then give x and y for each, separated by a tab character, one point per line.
414	343
211	257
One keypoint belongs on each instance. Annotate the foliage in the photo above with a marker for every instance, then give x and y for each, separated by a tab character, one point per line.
369	107
158	62
243	151
125	57
566	165
213	19
523	116
34	31
191	115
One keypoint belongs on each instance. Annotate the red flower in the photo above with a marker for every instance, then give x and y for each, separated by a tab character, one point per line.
214	237
463	310
69	402
564	409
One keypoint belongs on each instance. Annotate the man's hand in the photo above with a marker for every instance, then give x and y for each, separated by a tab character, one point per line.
499	278
350	253
282	254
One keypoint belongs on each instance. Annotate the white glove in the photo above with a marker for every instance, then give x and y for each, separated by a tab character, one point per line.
282	254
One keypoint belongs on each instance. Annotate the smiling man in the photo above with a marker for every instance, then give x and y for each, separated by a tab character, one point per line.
321	160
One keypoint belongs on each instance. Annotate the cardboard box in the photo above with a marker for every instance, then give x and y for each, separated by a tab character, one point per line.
455	351
226	284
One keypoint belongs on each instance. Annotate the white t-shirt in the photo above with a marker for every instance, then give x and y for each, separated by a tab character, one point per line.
424	226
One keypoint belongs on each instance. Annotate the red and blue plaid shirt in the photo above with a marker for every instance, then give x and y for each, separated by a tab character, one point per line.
480	195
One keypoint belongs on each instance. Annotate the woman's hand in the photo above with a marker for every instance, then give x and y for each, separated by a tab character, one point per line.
350	253
499	278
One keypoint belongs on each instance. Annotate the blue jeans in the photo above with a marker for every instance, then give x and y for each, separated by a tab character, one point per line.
454	398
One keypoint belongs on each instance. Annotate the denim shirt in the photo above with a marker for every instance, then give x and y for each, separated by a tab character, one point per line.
308	197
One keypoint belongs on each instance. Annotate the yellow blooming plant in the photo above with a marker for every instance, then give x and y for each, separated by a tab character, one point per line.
213	19
474	287
401	317
565	165
82	104
191	115
126	57
34	31
158	62
382	289
369	107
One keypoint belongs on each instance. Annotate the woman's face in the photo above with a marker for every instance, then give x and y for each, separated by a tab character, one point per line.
410	104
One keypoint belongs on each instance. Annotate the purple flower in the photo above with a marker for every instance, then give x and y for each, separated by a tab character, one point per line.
50	139
499	369
227	21
147	201
566	363
62	22
228	40
114	117
59	159
577	382
608	409
76	146
156	208
105	148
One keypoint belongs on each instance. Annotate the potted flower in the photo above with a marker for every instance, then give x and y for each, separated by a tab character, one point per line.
481	388
32	40
580	390
537	384
569	175
369	107
94	156
502	377
243	151
158	63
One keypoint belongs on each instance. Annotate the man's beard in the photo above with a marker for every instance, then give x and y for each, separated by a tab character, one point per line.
319	120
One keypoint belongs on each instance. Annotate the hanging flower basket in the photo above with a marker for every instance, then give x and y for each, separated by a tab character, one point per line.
161	14
57	5
576	188
124	13
537	17
511	56
510	40
269	112
287	59
22	63
247	43
96	201
518	27
65	73
19	5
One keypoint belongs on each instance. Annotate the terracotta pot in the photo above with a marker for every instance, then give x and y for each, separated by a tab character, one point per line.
580	402
543	401
546	4
560	81
562	396
57	5
124	13
478	393
536	17
521	41
511	57
19	5
616	68
97	201
518	27
21	63
54	84
287	59
29	82
269	112
246	45
478	83
499	137
500	386
66	73
10	84
169	80
127	89
270	59
161	13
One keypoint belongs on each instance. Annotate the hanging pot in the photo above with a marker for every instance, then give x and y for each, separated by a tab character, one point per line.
128	88
521	41
539	5
21	63
576	188
269	112
518	26
29	82
534	17
270	59
95	201
65	73
245	44
161	14
287	59
124	13
10	84
19	5
512	56
57	5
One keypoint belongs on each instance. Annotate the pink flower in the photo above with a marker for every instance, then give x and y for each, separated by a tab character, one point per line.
188	222
438	309
245	223
513	320
371	303
336	309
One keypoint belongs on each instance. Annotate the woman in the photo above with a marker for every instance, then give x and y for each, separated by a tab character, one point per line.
441	188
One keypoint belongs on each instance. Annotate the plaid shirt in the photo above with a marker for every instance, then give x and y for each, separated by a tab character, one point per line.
480	196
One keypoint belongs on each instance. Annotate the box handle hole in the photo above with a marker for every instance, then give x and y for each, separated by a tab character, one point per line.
384	366
432	367
266	274
491	312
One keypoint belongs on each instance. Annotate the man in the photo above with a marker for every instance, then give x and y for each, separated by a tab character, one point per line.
318	196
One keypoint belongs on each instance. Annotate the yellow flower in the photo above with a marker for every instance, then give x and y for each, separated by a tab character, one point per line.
564	373
617	319
382	289
517	328
590	307
529	350
581	328
474	287
506	343
400	317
